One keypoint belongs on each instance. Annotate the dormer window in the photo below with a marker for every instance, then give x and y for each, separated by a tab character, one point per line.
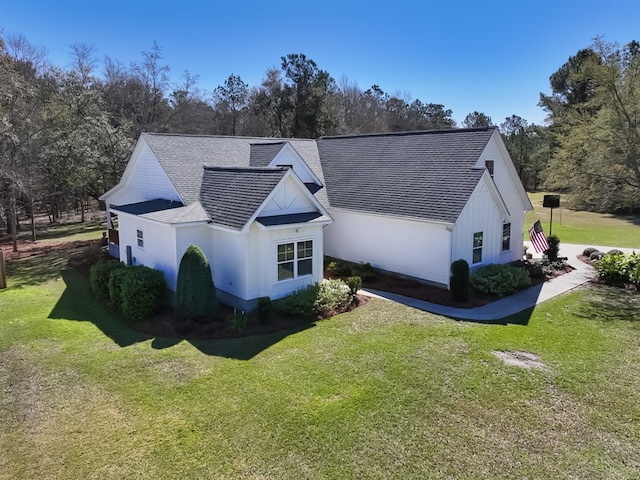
489	165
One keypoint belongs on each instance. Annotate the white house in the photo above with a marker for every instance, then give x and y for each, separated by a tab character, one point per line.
265	211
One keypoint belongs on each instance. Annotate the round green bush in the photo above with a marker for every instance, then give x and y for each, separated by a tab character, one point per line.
588	251
615	252
143	292
99	278
597	255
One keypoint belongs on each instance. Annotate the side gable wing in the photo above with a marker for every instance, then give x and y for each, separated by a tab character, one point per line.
143	179
288	156
505	175
234	198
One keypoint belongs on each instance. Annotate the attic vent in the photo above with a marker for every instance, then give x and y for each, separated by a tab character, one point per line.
489	165
285	166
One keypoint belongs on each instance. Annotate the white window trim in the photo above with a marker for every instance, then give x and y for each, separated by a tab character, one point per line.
295	259
474	248
502	249
140	238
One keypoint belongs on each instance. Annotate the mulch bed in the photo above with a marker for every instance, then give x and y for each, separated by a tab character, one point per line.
83	253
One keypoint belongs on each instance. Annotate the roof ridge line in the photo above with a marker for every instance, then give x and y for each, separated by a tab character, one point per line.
413	132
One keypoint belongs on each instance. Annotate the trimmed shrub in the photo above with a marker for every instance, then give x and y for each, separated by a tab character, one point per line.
597	255
333	296
459	282
99	278
116	277
554	248
300	302
264	309
500	279
615	252
354	284
143	292
195	292
364	270
339	268
588	251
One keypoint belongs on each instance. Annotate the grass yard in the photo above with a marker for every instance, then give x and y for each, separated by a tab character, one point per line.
587	228
382	392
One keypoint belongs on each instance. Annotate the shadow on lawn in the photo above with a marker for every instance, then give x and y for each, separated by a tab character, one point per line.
76	304
608	303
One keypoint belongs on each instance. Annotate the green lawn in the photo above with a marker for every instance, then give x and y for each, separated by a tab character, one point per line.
587	228
382	392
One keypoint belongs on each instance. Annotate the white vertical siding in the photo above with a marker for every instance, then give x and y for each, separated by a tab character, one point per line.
508	183
480	214
413	248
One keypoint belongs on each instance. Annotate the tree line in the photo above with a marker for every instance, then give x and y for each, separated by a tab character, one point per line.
67	133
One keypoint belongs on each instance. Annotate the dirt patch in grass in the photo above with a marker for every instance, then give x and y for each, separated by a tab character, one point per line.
521	359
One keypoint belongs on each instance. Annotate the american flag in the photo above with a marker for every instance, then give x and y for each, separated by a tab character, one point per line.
538	238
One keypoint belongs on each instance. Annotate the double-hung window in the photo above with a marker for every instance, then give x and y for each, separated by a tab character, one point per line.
506	236
140	237
477	247
295	259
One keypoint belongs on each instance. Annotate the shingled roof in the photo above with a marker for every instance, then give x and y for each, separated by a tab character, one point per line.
428	175
231	196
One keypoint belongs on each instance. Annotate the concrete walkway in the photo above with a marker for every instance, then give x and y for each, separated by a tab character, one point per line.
514	303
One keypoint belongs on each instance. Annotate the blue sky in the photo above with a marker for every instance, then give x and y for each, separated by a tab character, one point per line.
494	57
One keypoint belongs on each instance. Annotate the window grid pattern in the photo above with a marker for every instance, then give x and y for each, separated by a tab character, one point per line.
295	259
477	247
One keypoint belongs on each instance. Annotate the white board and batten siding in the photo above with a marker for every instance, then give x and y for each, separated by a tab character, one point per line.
480	214
506	179
414	248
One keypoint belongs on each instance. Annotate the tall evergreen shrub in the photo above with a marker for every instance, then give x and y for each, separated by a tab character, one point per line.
195	293
554	248
459	282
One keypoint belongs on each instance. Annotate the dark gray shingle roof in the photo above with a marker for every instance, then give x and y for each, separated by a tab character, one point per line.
262	153
183	156
427	175
231	196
